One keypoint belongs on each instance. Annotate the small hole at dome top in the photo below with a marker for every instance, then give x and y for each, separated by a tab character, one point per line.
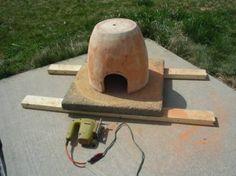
114	24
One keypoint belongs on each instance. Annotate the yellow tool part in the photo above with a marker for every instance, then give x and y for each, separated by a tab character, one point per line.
71	129
86	130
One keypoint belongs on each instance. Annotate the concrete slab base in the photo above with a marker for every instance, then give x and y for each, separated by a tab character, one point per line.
147	101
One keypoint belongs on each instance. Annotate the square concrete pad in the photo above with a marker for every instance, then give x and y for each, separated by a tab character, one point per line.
147	101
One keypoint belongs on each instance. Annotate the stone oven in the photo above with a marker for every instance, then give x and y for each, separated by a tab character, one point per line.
117	55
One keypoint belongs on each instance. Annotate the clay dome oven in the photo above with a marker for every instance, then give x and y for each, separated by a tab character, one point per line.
117	47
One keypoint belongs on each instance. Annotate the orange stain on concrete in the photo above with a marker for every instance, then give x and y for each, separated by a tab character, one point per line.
139	130
187	133
201	141
112	125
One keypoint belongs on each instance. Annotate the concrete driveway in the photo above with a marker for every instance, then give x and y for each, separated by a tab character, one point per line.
33	141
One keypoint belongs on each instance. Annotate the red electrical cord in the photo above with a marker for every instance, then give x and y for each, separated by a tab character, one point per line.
77	163
99	156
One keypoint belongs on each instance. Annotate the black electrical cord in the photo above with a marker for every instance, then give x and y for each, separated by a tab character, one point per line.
99	156
132	135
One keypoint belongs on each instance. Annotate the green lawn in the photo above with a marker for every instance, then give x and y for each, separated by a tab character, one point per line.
34	33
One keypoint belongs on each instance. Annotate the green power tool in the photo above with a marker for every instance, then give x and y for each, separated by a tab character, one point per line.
88	131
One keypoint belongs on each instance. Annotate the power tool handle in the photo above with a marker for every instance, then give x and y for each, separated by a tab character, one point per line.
70	130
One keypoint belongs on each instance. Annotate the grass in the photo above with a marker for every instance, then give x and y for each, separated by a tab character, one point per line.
39	32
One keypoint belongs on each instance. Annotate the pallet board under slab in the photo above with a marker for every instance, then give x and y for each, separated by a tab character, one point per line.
169	73
61	69
175	115
184	73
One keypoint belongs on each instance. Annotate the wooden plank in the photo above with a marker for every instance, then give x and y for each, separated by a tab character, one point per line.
60	69
189	116
183	73
43	103
170	73
175	115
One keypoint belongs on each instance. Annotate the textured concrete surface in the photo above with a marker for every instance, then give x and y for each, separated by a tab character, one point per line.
33	140
147	101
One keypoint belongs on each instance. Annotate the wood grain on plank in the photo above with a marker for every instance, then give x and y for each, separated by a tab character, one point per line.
189	116
175	115
60	69
183	73
43	103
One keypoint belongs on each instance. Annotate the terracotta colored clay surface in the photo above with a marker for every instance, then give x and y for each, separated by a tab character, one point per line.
117	46
147	101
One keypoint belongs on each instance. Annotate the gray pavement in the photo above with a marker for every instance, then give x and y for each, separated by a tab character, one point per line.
33	141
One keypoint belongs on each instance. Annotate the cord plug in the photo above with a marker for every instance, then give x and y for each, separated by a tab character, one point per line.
96	158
